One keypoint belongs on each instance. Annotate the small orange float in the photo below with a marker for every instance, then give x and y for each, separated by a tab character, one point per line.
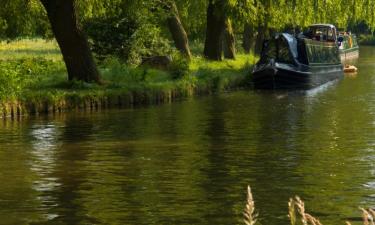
350	69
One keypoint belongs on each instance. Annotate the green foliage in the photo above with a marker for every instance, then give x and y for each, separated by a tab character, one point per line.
44	78
126	38
20	18
366	40
148	41
111	36
18	75
28	18
11	82
118	73
179	66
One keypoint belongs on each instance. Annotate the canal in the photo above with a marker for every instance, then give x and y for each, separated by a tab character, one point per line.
190	162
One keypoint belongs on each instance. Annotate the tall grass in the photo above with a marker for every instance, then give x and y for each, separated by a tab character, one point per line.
366	39
250	218
30	48
297	213
33	70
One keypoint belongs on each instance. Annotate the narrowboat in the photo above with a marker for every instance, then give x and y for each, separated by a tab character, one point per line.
302	61
348	48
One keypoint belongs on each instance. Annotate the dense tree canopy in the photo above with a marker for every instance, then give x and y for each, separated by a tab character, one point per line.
150	25
28	18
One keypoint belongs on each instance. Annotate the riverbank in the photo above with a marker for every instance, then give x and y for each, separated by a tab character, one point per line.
34	81
366	39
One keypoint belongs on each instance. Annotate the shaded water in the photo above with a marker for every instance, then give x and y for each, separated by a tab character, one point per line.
190	162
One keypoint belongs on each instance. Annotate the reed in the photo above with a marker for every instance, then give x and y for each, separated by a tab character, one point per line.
305	218
250	218
297	213
368	216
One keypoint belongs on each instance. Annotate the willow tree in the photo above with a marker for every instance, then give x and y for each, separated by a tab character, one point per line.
20	18
246	15
177	30
219	31
71	40
193	16
215	27
229	42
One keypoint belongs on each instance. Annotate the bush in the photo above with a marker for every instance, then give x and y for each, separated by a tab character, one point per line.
110	36
179	66
11	83
17	75
366	40
126	38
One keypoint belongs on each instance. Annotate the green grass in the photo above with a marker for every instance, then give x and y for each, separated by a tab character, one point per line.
32	71
366	39
30	48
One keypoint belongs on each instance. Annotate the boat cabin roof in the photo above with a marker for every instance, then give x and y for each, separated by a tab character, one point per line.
323	25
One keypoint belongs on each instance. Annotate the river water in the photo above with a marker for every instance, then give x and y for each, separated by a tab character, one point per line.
190	162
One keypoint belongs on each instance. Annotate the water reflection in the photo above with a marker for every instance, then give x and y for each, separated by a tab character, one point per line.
190	162
45	143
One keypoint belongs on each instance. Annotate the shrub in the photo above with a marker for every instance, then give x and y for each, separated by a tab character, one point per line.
11	83
179	66
17	75
126	38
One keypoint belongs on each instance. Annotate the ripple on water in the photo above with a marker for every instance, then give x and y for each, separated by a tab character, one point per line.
190	162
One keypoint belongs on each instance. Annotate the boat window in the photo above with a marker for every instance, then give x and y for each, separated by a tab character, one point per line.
331	35
323	34
283	55
269	51
320	33
322	53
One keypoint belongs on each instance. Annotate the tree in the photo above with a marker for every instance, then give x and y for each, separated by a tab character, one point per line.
72	40
22	18
220	32
215	27
177	30
248	41
229	42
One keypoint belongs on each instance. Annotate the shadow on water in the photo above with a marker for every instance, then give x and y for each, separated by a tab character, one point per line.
190	162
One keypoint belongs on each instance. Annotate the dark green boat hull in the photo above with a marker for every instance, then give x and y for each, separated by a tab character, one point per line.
280	77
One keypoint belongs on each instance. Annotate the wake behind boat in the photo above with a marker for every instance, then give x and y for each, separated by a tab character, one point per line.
304	61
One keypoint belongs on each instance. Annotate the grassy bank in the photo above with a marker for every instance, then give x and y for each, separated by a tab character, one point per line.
34	80
366	39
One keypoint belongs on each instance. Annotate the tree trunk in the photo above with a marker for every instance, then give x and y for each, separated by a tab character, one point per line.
260	38
229	41
215	27
249	36
72	41
178	32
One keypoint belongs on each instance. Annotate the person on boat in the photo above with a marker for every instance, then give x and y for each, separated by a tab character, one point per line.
350	41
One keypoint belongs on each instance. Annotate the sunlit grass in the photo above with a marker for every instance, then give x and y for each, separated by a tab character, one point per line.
29	48
240	62
366	39
33	71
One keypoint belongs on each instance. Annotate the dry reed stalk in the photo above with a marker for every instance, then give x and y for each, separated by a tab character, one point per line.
306	218
312	220
292	211
297	203
368	216
250	217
